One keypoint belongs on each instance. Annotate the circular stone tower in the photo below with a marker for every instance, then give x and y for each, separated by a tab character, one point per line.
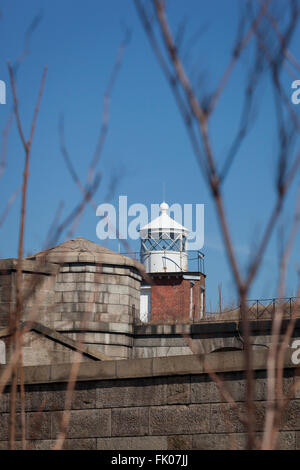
97	291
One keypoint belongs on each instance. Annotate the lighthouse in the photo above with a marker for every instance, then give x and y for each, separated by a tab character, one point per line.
175	293
164	244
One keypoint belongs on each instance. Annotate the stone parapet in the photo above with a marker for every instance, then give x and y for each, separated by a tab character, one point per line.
222	362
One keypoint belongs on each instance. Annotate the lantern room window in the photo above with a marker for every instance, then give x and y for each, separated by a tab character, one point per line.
162	241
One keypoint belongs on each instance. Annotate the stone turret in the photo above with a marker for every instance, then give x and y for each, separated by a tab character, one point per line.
83	287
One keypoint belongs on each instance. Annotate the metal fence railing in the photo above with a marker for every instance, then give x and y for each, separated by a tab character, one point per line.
261	308
195	259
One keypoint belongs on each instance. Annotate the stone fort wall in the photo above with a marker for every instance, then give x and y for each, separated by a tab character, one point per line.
157	403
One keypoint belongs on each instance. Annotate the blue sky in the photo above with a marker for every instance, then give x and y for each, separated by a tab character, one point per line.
147	142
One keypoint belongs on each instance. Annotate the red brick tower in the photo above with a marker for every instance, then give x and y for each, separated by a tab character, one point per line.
175	295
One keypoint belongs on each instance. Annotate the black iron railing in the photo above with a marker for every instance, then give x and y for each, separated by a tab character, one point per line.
195	259
263	308
266	307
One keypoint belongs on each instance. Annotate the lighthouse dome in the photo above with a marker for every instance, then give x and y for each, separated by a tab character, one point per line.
164	223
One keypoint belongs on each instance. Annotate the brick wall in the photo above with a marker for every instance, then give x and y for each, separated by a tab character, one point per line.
170	299
162	403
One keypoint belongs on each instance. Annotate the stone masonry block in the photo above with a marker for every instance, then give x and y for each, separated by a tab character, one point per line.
124	299
84	423
114	299
225	418
291	417
108	269
70	296
118	289
130	421
115	318
178	390
69	444
133	443
131	393
77	269
86	286
86	296
204	390
99	308
38	425
179	419
64	269
65	286
117	309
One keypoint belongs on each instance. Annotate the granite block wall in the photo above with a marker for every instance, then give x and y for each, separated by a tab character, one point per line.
157	404
41	275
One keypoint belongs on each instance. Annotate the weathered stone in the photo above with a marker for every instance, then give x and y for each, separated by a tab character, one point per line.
179	419
133	443
38	425
58	297
226	441
171	351
124	299
226	418
80	444
37	374
64	269
117	308
70	318
187	364
65	287
122	271
4	426
130	393
86	286
77	269
93	370
115	318
40	397
260	387
118	289
134	368
291	416
204	390
114	350
114	299
297	438
160	342
178	390
69	444
85	296
179	442
286	441
108	269
83	423
120	327
130	421
71	296
4	403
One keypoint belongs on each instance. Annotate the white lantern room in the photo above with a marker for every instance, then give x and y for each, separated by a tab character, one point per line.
164	244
